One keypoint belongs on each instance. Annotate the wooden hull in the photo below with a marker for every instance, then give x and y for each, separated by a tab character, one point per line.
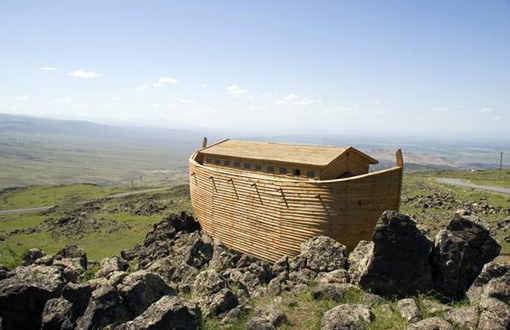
270	217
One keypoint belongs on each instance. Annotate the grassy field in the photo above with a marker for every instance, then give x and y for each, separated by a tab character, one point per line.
489	177
37	196
123	224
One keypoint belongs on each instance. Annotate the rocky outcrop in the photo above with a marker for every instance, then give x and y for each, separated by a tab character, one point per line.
347	317
28	289
433	323
409	310
266	318
459	254
463	317
399	262
323	254
141	288
110	265
31	256
167	313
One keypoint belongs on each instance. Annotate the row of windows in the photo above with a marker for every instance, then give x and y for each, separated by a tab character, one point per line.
258	167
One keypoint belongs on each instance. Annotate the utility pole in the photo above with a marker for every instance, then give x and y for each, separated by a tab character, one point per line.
500	164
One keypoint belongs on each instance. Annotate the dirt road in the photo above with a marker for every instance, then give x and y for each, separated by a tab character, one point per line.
460	183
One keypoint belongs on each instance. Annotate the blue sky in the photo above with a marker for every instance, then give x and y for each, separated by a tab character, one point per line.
423	68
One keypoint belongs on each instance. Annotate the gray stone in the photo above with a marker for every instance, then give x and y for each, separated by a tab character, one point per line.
359	259
490	271
169	312
141	288
433	323
347	317
324	254
337	276
409	310
495	310
459	254
399	263
58	315
24	295
208	283
464	317
265	318
111	264
31	256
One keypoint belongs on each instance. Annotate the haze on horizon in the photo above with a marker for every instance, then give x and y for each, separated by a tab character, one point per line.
423	68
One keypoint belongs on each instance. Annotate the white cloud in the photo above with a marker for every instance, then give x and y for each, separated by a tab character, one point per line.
442	109
485	109
22	97
83	74
141	88
48	68
69	101
185	100
158	84
235	91
292	100
167	80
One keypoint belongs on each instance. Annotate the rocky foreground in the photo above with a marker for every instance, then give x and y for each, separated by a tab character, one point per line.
179	278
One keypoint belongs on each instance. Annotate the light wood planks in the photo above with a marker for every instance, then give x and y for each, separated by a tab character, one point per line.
269	217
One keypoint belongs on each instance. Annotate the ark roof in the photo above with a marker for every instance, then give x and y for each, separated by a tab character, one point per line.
280	152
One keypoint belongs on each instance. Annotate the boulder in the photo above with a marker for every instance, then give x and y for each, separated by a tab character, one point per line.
58	315
324	254
494	313
106	307
4	272
347	317
24	294
110	265
73	252
399	262
169	312
208	283
499	275
433	323
31	256
141	288
359	259
409	310
459	254
220	302
265	318
340	276
463	317
223	257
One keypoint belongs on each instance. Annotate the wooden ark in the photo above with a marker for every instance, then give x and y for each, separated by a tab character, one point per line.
265	199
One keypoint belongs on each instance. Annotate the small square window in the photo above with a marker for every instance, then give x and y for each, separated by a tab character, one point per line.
270	169
226	162
247	166
208	160
217	162
258	167
297	172
237	164
283	170
310	174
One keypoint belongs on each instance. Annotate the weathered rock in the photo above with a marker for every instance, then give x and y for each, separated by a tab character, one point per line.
24	294
208	283
71	252
371	299
494	312
220	302
347	317
489	272
399	263
303	276
231	316
4	272
409	310
182	222
112	264
337	276
459	254
223	257
324	254
169	312
78	294
57	315
31	256
115	278
106	307
141	288
281	265
198	251
47	260
333	291
464	317
359	259
434	307
266	318
433	323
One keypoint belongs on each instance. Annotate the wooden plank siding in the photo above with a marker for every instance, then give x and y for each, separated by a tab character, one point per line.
268	216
